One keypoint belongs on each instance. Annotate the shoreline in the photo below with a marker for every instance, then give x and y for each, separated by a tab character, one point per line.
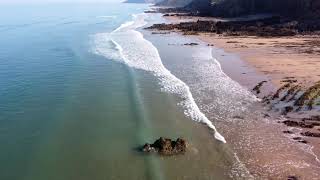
268	56
248	71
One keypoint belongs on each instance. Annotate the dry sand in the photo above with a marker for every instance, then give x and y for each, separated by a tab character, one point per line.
276	58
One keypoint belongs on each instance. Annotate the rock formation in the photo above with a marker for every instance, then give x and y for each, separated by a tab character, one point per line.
164	146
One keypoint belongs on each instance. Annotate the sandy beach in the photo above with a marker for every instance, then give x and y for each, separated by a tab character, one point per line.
276	58
267	147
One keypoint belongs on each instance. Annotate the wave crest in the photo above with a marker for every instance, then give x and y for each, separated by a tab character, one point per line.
130	47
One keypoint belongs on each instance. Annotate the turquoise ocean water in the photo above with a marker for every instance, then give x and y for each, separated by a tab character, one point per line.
81	90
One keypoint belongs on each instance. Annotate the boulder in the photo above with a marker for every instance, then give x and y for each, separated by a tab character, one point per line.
165	146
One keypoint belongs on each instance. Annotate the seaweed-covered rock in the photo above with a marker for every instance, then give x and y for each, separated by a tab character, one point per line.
165	146
293	97
280	90
309	96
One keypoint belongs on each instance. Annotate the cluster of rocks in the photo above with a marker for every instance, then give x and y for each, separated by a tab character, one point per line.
292	97
311	134
309	96
308	124
165	146
273	26
303	123
267	27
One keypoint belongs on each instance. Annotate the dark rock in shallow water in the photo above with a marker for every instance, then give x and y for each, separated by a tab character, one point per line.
191	44
300	140
297	138
287	109
303	141
310	134
292	178
148	148
298	124
288	132
166	146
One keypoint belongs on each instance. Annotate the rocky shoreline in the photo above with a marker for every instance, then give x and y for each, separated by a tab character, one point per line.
290	103
292	97
292	100
266	26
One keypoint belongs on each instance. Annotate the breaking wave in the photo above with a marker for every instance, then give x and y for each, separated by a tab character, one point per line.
128	46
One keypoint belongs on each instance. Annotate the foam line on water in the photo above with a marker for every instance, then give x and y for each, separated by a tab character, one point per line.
243	91
249	94
139	53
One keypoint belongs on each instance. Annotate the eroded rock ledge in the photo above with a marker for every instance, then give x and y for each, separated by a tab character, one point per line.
165	146
274	26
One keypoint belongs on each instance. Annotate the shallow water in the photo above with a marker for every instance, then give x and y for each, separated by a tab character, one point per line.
69	111
256	138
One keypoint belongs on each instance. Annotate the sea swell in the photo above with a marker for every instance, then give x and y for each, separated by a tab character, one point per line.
128	46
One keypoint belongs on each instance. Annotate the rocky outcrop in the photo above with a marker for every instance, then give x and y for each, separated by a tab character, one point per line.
257	88
292	97
165	146
309	96
310	134
302	124
267	27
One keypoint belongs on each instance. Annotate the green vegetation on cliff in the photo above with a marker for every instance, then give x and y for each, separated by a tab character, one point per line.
229	8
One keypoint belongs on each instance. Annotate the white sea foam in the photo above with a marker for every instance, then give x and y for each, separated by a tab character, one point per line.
216	91
137	52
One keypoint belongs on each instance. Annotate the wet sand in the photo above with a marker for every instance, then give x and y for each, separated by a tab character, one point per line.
250	60
255	134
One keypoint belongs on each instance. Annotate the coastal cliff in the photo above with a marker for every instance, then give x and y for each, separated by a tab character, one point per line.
299	9
174	3
232	8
